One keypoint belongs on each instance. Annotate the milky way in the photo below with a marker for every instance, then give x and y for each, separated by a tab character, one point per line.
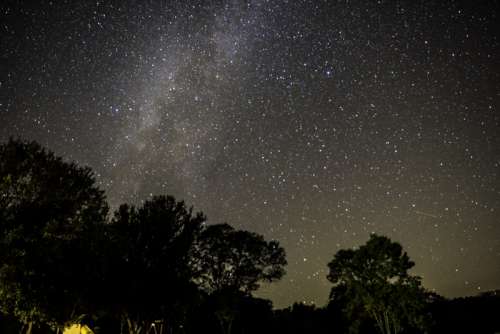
312	122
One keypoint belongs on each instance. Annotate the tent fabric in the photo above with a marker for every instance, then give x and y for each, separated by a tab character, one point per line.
78	329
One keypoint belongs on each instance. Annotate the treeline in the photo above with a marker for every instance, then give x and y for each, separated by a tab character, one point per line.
159	268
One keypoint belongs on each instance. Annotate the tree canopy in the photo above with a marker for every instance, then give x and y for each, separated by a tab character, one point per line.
150	273
373	282
159	267
229	259
49	211
229	264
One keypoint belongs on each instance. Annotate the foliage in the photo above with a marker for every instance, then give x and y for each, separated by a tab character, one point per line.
160	264
49	212
229	264
233	312
303	318
472	314
229	259
150	277
372	282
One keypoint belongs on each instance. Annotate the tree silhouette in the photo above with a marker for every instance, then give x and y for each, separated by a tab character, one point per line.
472	314
372	282
151	278
301	319
49	213
230	264
229	259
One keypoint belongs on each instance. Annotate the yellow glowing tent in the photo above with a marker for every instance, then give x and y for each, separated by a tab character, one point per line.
78	329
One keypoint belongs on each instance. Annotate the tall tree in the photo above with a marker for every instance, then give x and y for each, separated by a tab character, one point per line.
373	282
229	264
229	259
152	279
49	213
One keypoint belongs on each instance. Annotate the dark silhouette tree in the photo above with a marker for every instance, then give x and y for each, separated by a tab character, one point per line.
49	213
150	275
472	314
372	282
229	264
229	259
301	319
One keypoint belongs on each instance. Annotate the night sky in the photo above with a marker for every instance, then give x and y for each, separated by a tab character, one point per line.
314	123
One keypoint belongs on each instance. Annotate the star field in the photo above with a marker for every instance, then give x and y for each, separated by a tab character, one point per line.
314	123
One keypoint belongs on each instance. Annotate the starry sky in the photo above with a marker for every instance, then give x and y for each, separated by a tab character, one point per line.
314	123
